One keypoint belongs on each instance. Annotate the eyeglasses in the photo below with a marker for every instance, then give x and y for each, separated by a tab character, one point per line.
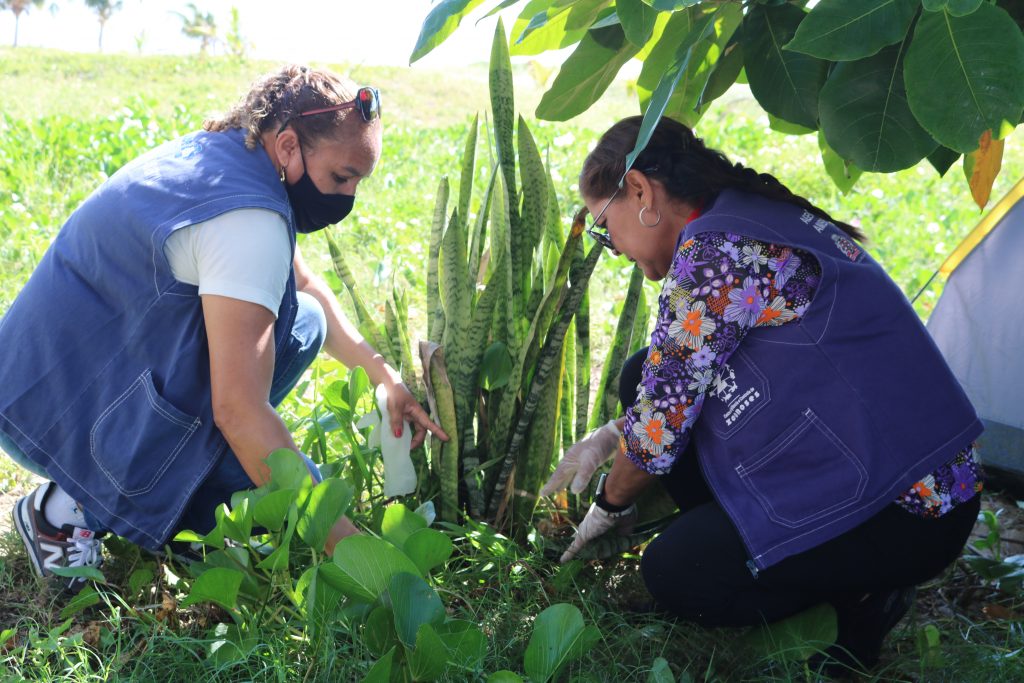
367	101
600	232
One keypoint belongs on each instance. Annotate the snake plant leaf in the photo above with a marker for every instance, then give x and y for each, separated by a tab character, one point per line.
586	74
785	83
867	120
435	309
846	30
963	75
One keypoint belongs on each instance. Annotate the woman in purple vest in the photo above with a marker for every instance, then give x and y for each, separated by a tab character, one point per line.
790	402
174	311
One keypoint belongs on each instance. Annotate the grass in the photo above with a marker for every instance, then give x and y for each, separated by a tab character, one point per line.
67	121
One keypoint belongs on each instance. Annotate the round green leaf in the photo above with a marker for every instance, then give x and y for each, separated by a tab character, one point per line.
325	504
785	83
964	75
466	643
430	657
428	548
865	116
559	637
367	565
287	470
399	523
957	8
504	676
414	603
217	585
270	510
379	631
842	30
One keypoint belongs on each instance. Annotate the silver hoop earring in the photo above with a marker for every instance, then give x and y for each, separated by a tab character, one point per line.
648	225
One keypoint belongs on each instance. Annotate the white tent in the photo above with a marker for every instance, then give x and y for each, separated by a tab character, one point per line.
978	323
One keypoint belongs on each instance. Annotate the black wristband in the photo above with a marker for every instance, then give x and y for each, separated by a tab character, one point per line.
601	502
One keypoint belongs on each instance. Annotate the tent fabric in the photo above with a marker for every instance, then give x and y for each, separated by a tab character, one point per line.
978	324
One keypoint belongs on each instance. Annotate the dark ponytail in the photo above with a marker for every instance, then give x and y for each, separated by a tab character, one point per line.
690	171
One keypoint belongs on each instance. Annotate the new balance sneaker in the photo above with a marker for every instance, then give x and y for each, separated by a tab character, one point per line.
50	547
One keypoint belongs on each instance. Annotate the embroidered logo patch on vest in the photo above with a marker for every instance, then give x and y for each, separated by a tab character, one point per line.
848	247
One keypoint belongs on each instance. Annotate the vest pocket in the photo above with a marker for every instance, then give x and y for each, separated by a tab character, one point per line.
138	437
805	474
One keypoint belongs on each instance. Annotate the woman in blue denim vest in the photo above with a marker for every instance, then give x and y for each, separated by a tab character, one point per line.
174	311
790	401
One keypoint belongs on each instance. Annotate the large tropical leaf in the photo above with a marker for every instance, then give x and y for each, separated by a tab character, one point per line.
440	23
785	83
865	116
965	75
637	20
586	74
843	30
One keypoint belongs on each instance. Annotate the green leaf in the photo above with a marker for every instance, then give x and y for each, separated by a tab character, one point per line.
399	523
942	158
724	73
963	75
428	548
230	646
787	128
367	565
139	578
440	23
661	672
278	560
785	83
379	631
325	504
496	366
957	8
414	604
558	638
87	597
270	510
504	676
236	523
842	30
466	643
430	657
91	573
865	116
217	585
287	470
637	20
670	5
586	73
543	25
843	173
380	672
795	638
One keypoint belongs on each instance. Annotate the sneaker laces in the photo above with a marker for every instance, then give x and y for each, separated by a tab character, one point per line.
86	553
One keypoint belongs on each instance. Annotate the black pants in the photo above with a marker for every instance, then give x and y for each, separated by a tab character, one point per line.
697	568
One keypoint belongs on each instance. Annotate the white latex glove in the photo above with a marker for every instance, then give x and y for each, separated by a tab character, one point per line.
597	523
581	460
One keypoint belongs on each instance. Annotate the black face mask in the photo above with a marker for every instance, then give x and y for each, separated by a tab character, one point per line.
313	209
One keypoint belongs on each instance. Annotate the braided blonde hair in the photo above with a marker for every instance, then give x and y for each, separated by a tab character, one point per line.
275	97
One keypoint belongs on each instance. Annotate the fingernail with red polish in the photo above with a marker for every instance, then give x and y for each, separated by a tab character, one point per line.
398	432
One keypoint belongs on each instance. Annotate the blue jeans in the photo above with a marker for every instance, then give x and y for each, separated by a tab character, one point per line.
307	338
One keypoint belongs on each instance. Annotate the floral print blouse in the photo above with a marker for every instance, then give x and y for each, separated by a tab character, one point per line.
720	286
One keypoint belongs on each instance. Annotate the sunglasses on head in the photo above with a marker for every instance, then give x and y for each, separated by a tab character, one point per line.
600	232
367	101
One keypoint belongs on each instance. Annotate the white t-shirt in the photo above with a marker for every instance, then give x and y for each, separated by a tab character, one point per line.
243	254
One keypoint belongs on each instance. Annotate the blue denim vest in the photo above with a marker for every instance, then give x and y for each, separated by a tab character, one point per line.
814	426
105	374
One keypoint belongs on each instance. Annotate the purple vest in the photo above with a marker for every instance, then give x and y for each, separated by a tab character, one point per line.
814	426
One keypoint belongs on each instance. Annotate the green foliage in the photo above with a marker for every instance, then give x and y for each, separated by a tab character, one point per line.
885	81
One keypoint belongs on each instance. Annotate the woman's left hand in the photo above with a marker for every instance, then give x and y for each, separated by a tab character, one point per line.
403	407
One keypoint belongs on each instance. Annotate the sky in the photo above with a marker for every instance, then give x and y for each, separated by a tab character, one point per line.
372	32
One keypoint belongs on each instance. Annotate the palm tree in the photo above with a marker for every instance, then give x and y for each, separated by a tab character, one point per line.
18	6
201	26
104	9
